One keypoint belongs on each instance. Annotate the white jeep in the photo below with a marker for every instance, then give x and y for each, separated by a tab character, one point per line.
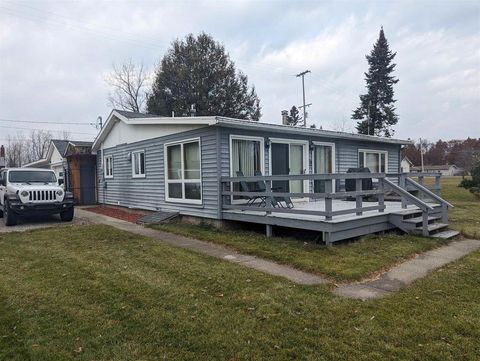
31	191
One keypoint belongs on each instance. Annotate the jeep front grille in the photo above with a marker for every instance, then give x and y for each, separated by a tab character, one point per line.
42	196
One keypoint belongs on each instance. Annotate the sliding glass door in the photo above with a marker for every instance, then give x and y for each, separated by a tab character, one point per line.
288	158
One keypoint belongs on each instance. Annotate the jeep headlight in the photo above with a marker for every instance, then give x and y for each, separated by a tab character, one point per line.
59	193
24	194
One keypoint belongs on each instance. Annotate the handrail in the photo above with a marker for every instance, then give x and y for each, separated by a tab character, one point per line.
428	192
402	192
319	176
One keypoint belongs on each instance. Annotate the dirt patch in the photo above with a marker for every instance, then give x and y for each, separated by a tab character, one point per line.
119	213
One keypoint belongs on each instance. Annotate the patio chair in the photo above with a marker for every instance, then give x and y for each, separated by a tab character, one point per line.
277	202
244	187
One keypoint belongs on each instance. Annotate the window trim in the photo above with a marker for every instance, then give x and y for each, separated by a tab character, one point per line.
105	170
374	151
247	137
134	154
182	181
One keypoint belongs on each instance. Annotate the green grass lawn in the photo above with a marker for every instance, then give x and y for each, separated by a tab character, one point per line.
342	262
465	216
97	293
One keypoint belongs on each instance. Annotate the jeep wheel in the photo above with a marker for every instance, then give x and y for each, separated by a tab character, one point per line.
67	215
9	218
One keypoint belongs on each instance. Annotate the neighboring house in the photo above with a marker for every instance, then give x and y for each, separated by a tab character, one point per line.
445	170
74	166
405	165
175	164
2	157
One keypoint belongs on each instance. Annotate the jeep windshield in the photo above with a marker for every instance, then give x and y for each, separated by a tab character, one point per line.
29	176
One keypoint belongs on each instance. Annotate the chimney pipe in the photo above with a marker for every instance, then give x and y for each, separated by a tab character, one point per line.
2	151
284	117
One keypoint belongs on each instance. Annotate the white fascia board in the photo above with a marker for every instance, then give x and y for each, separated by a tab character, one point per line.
148	121
37	162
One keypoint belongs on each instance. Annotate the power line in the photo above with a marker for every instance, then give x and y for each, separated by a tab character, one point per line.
50	130
40	122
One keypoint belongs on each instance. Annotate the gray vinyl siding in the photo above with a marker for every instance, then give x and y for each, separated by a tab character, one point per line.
149	192
346	151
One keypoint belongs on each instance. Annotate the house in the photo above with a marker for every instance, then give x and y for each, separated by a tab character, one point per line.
3	162
405	165
201	167
445	170
74	166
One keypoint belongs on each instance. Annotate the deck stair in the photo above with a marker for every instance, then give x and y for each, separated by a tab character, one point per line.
411	221
427	219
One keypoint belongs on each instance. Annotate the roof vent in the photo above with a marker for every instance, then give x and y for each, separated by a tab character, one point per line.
193	111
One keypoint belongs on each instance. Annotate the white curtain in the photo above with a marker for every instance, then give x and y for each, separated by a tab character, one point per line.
296	167
191	160
245	156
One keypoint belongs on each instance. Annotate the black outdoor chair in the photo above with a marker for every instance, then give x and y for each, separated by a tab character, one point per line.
244	187
277	202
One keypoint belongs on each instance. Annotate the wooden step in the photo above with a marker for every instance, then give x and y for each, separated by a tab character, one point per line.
420	219
446	234
434	227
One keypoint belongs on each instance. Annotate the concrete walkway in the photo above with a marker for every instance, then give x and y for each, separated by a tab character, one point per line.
388	282
407	272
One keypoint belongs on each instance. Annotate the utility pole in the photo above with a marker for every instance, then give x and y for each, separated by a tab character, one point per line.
302	74
421	154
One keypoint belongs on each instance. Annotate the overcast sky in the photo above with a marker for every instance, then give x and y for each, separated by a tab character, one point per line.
54	57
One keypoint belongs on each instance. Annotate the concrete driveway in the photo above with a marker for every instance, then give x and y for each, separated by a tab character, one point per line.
30	223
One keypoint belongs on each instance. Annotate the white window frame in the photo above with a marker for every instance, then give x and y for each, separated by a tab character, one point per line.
182	180
373	151
247	137
334	160
105	164
306	160
136	157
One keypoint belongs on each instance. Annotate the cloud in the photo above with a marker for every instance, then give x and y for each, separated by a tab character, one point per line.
54	56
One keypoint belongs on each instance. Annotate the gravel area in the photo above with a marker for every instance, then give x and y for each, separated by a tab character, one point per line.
31	223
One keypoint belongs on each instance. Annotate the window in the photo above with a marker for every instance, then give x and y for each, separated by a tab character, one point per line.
324	163
375	160
247	157
138	164
108	164
183	172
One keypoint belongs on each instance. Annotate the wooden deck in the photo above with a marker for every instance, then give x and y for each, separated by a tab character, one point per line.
337	213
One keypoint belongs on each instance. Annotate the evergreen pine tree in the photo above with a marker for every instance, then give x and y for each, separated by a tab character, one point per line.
376	113
198	71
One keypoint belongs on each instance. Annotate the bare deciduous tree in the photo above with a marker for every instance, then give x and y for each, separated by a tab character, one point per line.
128	81
21	150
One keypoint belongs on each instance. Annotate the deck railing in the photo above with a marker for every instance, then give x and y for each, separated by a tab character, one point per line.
383	184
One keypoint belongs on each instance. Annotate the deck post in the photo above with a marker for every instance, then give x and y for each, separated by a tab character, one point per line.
328	200
425	223
327	238
381	196
403	185
268	201
437	185
444	213
359	198
269	230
